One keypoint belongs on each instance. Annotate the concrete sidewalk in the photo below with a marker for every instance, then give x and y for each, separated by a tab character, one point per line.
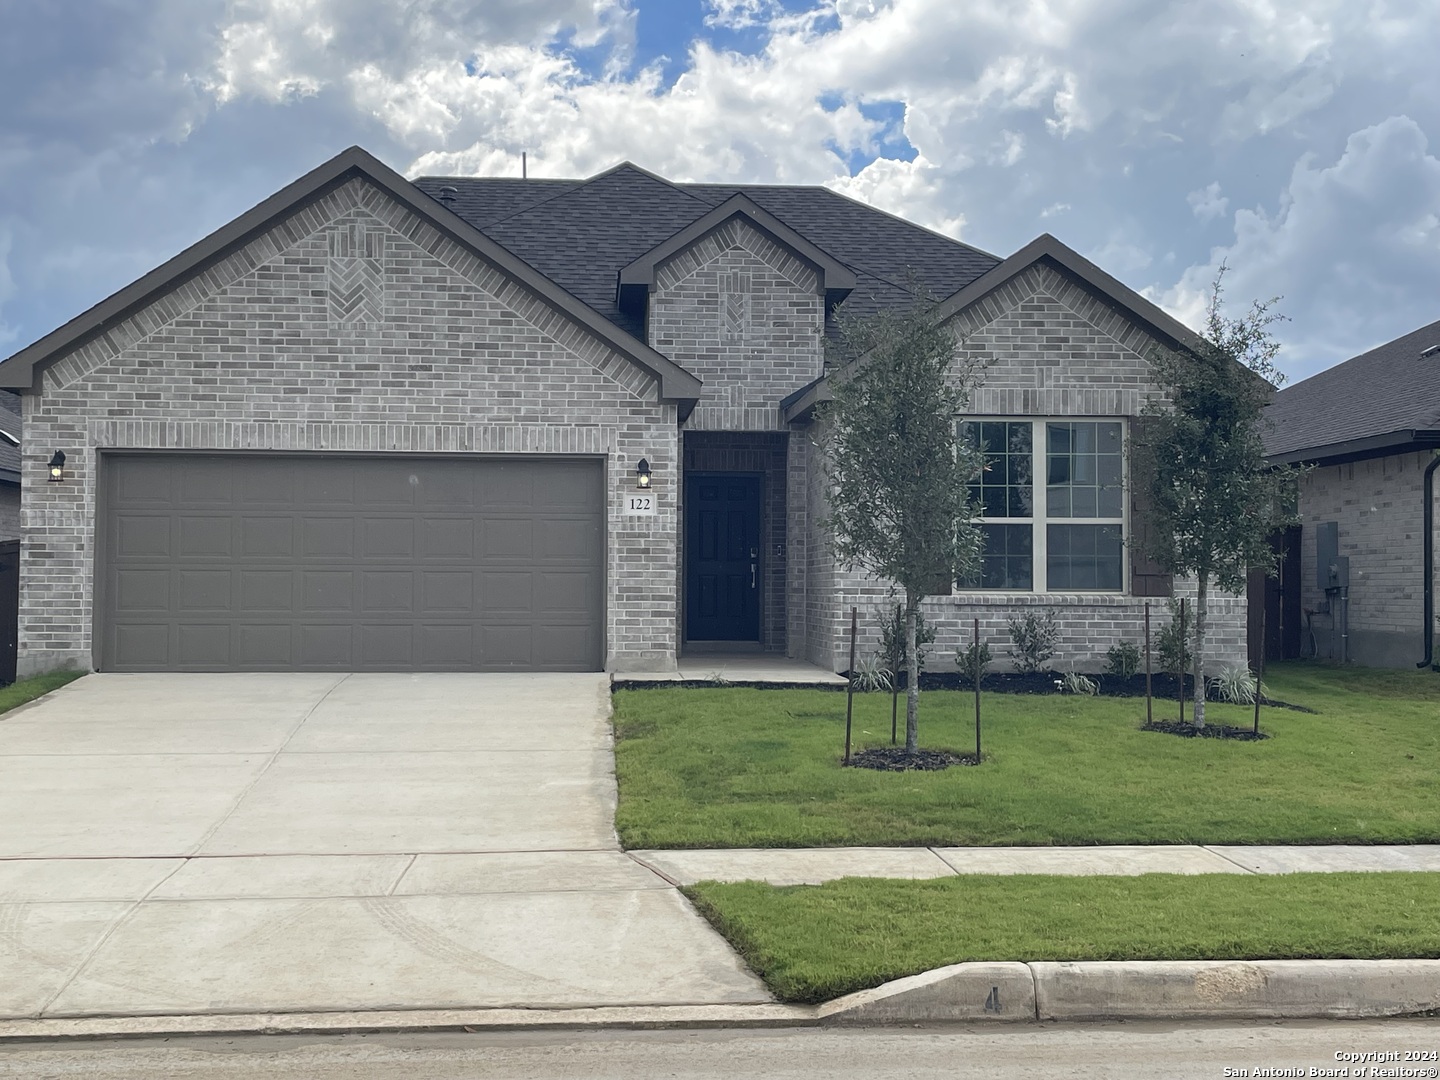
811	866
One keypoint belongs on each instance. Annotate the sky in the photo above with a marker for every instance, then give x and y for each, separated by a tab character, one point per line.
1297	142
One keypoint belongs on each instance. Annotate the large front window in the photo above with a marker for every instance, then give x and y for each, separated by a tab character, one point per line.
1052	504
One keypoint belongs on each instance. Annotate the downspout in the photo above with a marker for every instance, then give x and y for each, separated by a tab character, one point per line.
1428	561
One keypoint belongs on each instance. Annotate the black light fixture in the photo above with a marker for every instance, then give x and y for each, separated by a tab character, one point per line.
57	467
642	474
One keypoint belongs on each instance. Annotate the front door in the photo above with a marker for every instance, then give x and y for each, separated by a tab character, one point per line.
722	557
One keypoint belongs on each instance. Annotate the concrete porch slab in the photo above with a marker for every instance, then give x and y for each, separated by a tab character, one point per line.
738	668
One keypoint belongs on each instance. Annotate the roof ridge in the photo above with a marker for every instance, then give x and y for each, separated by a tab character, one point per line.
581	184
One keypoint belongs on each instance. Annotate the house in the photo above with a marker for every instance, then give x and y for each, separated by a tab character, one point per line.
1370	427
509	424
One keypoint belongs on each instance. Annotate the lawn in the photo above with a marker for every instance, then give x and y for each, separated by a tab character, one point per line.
26	690
738	767
812	943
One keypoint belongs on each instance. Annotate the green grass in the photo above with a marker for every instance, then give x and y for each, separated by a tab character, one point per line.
812	943
737	767
25	690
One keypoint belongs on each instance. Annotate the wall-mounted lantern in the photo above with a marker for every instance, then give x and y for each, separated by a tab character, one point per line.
57	467
642	474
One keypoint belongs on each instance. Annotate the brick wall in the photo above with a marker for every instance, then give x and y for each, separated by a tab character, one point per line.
1379	507
744	315
1043	346
352	325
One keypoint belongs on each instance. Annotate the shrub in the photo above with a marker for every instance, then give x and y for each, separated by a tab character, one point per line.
1173	651
892	639
870	675
1075	683
1032	639
965	661
1122	660
1236	684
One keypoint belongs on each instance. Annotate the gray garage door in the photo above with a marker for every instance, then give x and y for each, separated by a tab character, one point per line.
339	563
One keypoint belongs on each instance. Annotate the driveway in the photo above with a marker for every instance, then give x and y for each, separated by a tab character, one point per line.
313	842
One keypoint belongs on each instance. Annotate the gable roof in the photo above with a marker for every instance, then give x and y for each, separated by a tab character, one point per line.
584	233
10	429
21	371
1382	401
836	280
1044	248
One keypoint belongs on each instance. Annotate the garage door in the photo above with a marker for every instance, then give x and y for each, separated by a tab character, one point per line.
340	563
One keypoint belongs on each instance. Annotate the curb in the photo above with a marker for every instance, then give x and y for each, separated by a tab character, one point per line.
960	993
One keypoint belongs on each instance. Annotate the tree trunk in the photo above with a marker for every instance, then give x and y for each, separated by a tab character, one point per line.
912	689
1200	613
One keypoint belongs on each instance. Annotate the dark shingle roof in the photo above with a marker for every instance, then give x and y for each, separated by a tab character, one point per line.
1389	390
581	233
10	423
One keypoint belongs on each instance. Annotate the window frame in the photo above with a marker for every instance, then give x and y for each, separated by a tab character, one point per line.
1040	520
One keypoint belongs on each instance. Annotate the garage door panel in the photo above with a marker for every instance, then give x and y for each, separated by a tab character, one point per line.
329	562
265	591
205	536
327	645
327	590
204	646
204	590
267	537
140	536
446	539
327	537
142	646
387	538
142	591
264	646
446	591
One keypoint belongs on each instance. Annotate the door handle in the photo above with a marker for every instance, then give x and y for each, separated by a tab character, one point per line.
752	575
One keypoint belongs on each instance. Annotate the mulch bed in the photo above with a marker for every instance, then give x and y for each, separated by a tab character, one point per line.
895	759
1209	731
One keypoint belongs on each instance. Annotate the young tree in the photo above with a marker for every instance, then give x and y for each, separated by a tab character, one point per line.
1214	499
900	476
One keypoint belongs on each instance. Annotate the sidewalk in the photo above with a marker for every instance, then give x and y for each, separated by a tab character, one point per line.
811	866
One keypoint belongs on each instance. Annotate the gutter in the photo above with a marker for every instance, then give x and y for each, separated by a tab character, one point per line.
1428	560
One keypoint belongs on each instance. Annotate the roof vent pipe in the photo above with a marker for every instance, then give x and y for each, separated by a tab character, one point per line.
1427	562
447	195
1431	351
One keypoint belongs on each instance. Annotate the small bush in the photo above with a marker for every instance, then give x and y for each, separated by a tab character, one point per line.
965	661
1075	683
870	675
1236	684
1174	651
892	639
1032	639
1122	660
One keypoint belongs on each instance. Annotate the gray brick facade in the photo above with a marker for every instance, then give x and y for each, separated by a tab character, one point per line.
1048	348
280	346
1378	506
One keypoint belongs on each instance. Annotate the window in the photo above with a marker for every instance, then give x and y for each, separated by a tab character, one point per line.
1071	538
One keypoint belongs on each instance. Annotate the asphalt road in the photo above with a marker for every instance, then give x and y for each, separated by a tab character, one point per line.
1138	1050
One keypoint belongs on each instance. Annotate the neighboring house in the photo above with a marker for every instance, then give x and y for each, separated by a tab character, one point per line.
1371	428
10	434
376	424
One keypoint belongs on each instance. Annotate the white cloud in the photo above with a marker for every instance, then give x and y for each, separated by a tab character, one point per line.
1207	203
1353	246
7	283
740	14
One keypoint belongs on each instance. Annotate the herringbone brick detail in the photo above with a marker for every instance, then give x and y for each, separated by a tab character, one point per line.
355	276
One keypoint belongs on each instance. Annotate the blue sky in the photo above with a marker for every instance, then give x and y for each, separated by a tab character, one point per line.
1297	141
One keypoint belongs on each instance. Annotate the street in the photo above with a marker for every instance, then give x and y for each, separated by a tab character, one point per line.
1119	1050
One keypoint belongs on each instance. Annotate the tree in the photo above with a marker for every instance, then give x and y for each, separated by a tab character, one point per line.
1214	499
900	476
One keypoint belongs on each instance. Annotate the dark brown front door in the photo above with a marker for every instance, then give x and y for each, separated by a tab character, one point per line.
722	545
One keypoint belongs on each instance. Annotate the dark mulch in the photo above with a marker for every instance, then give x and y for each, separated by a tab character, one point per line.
1209	731
895	759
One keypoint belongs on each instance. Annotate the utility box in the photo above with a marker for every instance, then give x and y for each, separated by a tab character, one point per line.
1332	570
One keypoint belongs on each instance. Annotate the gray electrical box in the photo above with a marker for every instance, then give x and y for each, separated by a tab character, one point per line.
1332	570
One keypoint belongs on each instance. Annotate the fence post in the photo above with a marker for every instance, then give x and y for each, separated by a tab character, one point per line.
850	681
1149	716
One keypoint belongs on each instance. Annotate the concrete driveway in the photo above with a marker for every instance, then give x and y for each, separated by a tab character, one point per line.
310	842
